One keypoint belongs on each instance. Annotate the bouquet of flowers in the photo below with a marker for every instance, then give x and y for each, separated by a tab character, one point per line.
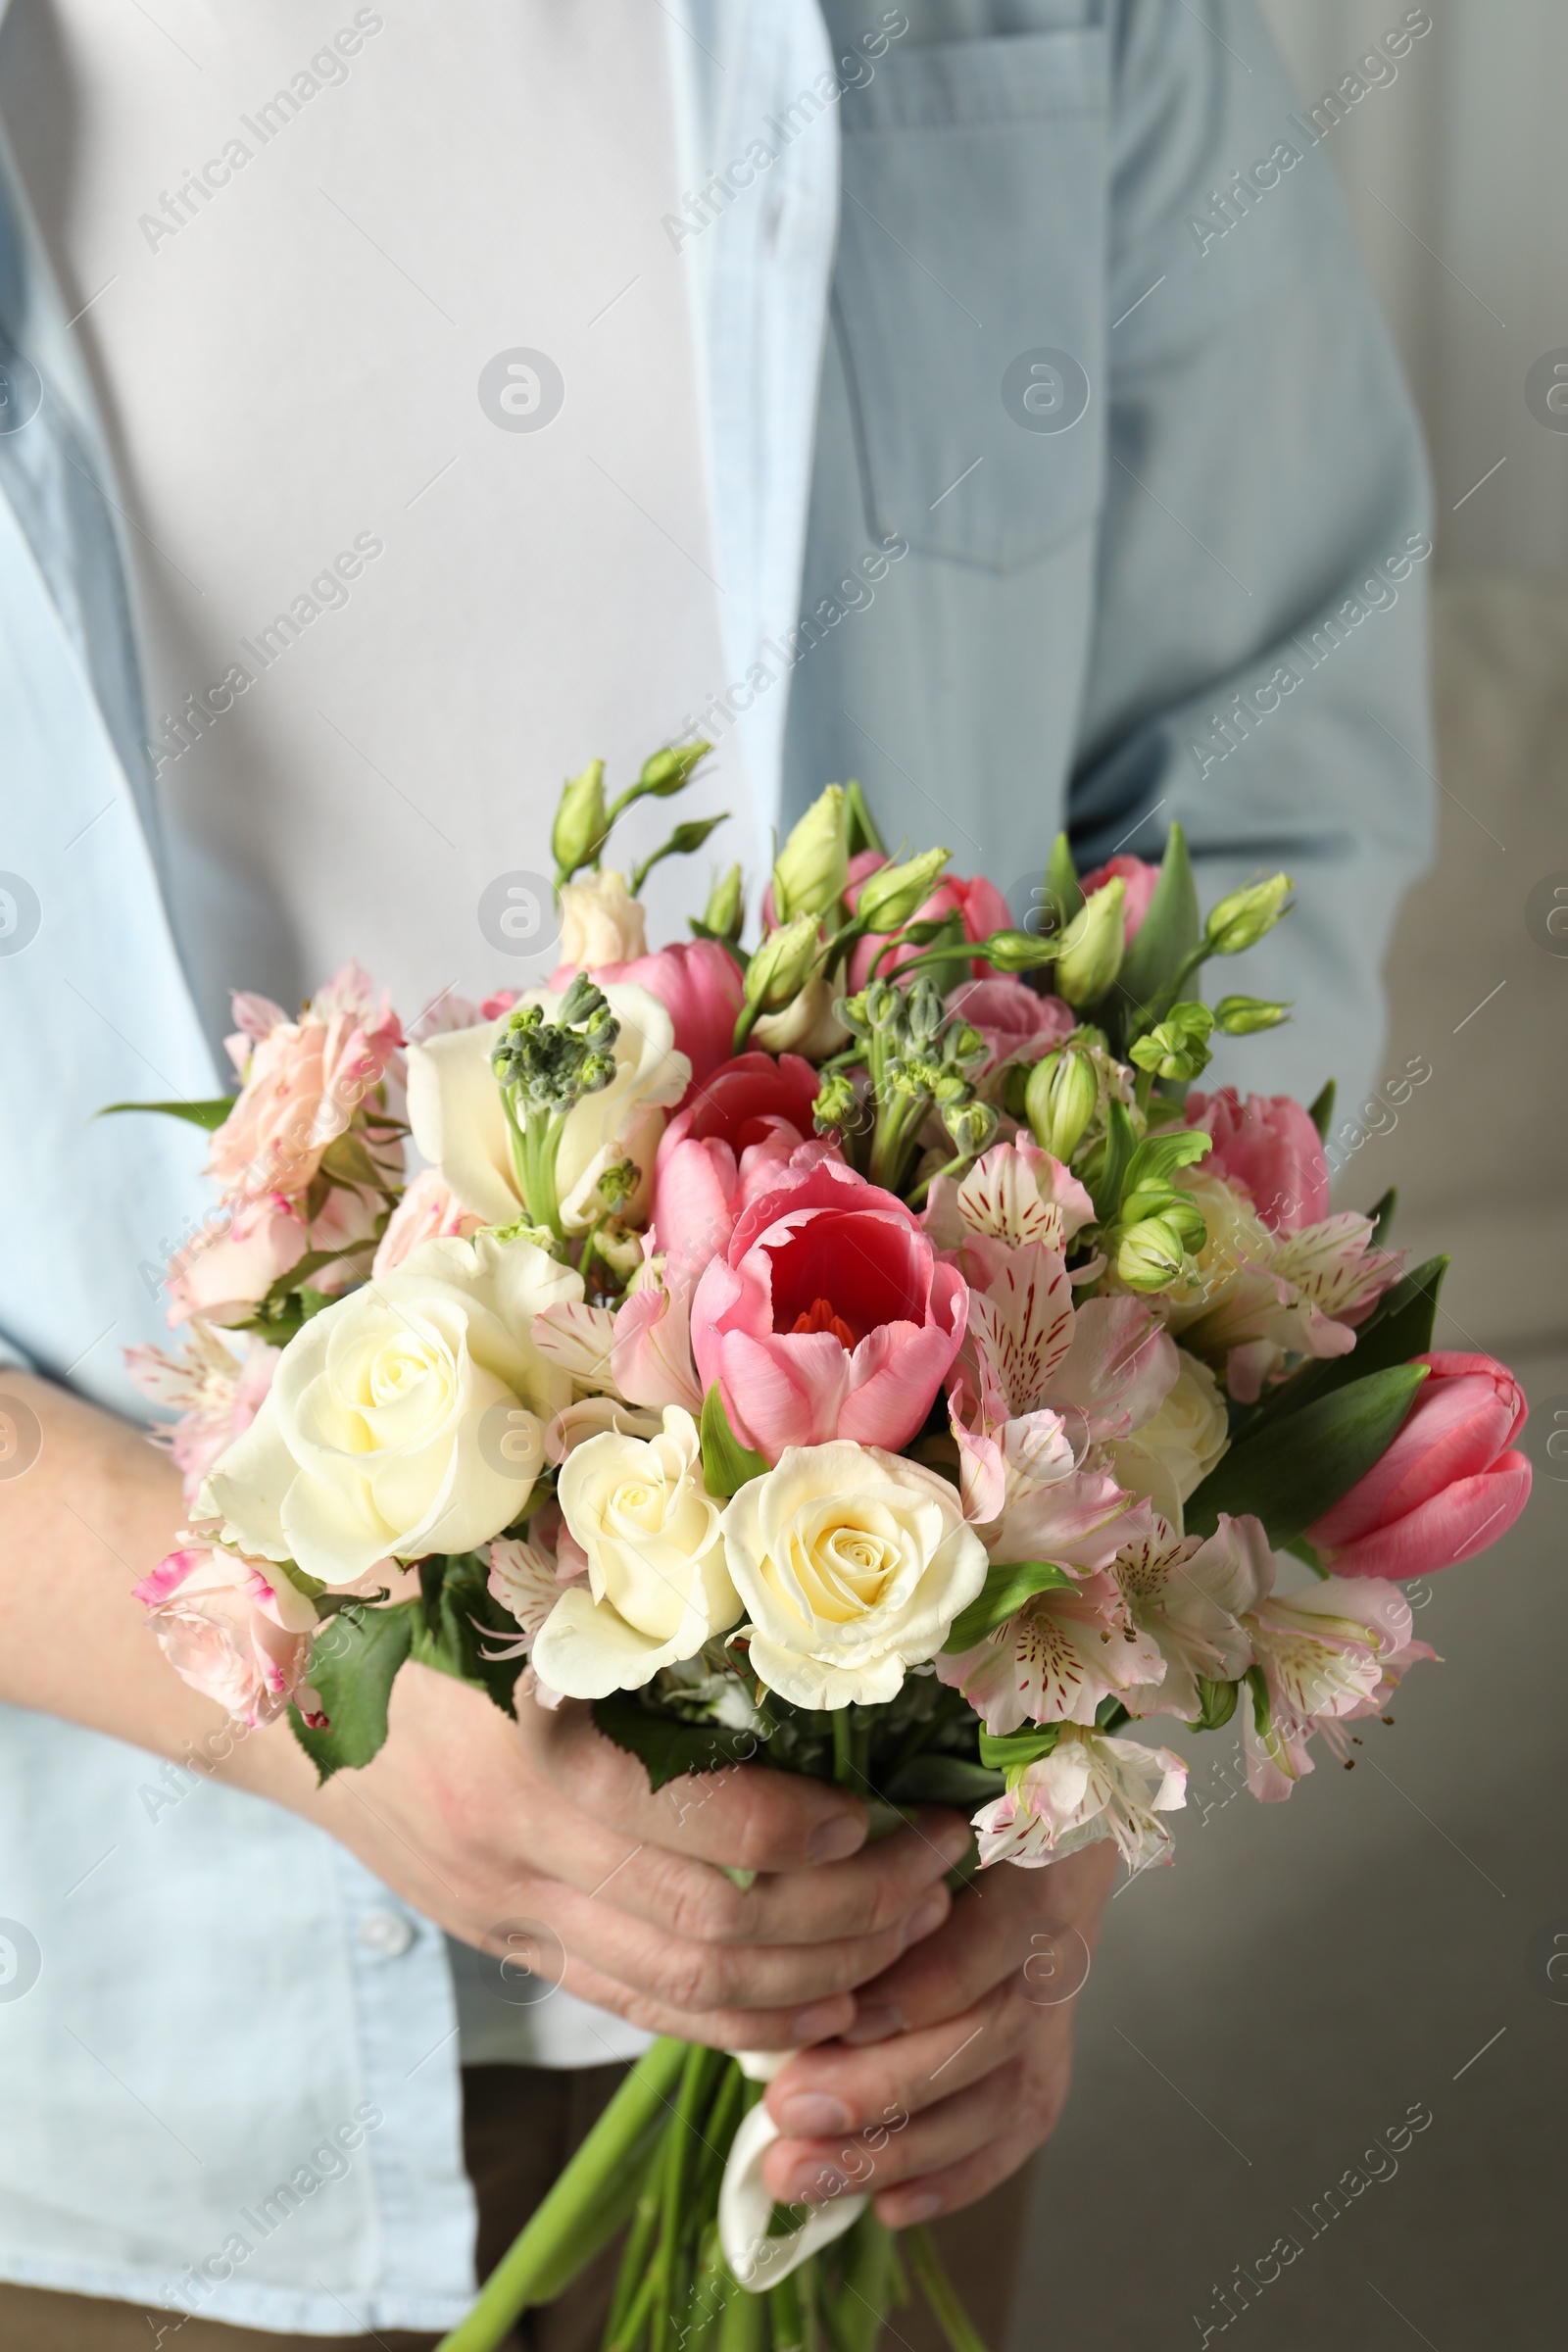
864	1352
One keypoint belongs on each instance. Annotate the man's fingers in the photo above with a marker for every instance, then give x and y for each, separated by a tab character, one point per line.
741	1816
720	2029
838	2089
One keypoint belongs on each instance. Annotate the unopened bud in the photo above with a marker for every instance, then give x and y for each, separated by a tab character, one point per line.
892	894
1059	1100
579	829
1243	918
1177	1047
1243	1016
1151	1255
972	1127
618	1183
782	965
814	865
725	911
1092	944
835	1103
1017	950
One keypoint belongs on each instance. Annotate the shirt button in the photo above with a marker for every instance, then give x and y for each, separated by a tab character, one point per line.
386	1933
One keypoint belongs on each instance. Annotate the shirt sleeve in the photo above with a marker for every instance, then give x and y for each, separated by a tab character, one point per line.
1259	663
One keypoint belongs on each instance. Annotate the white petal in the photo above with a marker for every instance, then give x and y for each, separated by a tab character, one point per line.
746	2206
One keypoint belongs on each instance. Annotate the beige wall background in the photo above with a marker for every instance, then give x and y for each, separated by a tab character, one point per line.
1260	2015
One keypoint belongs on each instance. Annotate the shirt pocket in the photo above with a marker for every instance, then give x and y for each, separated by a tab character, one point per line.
969	292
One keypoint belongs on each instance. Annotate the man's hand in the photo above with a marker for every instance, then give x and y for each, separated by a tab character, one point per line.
957	2064
479	1821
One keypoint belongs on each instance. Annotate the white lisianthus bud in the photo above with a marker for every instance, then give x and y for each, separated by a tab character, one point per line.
889	897
579	827
1092	944
812	867
782	965
1243	918
601	922
657	1587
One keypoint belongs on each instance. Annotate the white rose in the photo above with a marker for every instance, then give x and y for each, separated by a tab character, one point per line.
456	1112
853	1564
1175	1451
601	922
404	1419
657	1587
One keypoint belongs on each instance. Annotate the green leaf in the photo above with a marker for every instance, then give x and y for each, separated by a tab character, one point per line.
1012	1751
1003	1595
861	832
1322	1110
935	1780
461	1622
1218	1704
353	1660
1399	1328
1168	932
1063	897
1382	1215
347	1160
666	1750
210	1115
1289	1472
727	1464
1158	1157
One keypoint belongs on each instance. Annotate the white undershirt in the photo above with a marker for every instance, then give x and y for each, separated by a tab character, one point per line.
288	344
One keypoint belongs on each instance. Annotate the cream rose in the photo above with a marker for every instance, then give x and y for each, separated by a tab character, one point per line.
459	1123
853	1564
657	1587
405	1419
601	922
1175	1450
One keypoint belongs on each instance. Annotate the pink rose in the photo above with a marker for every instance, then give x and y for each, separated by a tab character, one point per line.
223	1274
1270	1146
1448	1486
426	1212
697	981
229	1629
1016	1023
304	1081
826	1314
1140	880
980	904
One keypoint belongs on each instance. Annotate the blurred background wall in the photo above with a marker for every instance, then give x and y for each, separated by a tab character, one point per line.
1263	2018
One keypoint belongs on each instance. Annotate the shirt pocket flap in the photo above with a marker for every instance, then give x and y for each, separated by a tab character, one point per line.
969	294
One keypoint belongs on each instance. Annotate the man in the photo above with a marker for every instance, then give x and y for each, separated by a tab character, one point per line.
982	399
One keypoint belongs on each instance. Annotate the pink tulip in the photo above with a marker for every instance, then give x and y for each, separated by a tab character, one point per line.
228	1631
979	903
1269	1145
1016	1024
1448	1487
697	981
827	1314
744	1099
1140	879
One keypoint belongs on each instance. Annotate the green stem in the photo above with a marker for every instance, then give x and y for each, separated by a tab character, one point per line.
588	2204
843	1748
937	2289
747	1016
785	2314
634	2262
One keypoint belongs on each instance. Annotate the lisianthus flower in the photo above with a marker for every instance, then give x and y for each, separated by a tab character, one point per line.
1090	1787
303	1083
1448	1486
850	1563
1064	1653
1268	1144
826	1314
1187	1594
235	1629
978	904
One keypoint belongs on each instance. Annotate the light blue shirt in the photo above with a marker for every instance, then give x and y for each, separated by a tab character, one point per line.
203	1999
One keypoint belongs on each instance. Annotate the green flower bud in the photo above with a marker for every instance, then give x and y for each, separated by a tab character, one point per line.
1243	1016
1241	920
579	829
1017	950
971	1125
1151	1255
1059	1100
1177	1047
618	1184
1093	944
782	965
725	911
889	897
814	865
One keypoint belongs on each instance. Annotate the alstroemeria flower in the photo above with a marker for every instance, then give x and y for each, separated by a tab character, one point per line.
826	1314
1064	1654
1187	1594
1332	1651
1090	1787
